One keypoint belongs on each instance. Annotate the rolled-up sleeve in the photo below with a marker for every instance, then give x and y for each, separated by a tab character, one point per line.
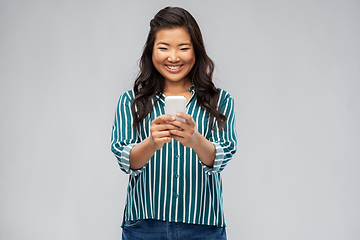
224	140
124	136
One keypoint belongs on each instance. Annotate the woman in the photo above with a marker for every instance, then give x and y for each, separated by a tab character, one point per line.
175	187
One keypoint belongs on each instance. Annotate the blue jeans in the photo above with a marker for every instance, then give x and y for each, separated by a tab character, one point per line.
155	229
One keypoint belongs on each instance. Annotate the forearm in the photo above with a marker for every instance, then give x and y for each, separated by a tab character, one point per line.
141	153
205	150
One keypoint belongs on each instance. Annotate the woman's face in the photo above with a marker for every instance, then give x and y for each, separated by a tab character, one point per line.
173	54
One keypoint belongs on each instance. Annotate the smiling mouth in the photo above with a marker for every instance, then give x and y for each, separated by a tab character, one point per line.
174	67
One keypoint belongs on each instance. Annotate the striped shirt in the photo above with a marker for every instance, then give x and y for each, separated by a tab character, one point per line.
174	185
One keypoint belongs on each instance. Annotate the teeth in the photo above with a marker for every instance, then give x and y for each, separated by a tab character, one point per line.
174	67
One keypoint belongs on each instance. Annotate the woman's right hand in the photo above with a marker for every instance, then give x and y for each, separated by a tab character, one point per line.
160	130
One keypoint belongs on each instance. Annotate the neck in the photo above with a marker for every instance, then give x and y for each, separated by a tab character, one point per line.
177	88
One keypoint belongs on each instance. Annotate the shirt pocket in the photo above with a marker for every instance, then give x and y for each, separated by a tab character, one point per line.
132	223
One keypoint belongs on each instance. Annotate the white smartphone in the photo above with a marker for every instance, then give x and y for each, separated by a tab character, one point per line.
175	104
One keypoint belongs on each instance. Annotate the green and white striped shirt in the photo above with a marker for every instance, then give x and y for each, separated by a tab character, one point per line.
175	185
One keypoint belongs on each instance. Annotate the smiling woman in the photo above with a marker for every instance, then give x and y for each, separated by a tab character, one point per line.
175	187
151	82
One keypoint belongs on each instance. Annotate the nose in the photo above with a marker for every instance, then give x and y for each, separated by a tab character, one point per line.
173	56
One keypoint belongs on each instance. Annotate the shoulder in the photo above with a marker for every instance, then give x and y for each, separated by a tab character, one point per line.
224	96
226	103
127	97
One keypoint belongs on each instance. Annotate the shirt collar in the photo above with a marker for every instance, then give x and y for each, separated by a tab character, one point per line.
160	96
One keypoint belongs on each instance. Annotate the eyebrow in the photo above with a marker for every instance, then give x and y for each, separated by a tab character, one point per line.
182	44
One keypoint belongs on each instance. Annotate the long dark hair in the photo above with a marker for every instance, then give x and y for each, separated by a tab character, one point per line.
150	82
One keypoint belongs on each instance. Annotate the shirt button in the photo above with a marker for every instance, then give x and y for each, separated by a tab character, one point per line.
176	175
176	156
176	195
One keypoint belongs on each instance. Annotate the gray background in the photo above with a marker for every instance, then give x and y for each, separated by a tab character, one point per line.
293	68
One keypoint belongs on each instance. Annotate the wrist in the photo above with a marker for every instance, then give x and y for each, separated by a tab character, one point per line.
198	141
205	150
151	145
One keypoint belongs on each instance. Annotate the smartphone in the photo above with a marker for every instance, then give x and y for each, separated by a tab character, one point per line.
175	104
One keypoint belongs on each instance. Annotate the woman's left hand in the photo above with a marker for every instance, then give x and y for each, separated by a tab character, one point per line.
187	133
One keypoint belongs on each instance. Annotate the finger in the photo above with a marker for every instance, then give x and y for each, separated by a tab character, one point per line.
177	138
178	133
163	118
180	125
160	141
161	134
185	116
164	127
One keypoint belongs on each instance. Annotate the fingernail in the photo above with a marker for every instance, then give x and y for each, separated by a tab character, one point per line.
173	118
